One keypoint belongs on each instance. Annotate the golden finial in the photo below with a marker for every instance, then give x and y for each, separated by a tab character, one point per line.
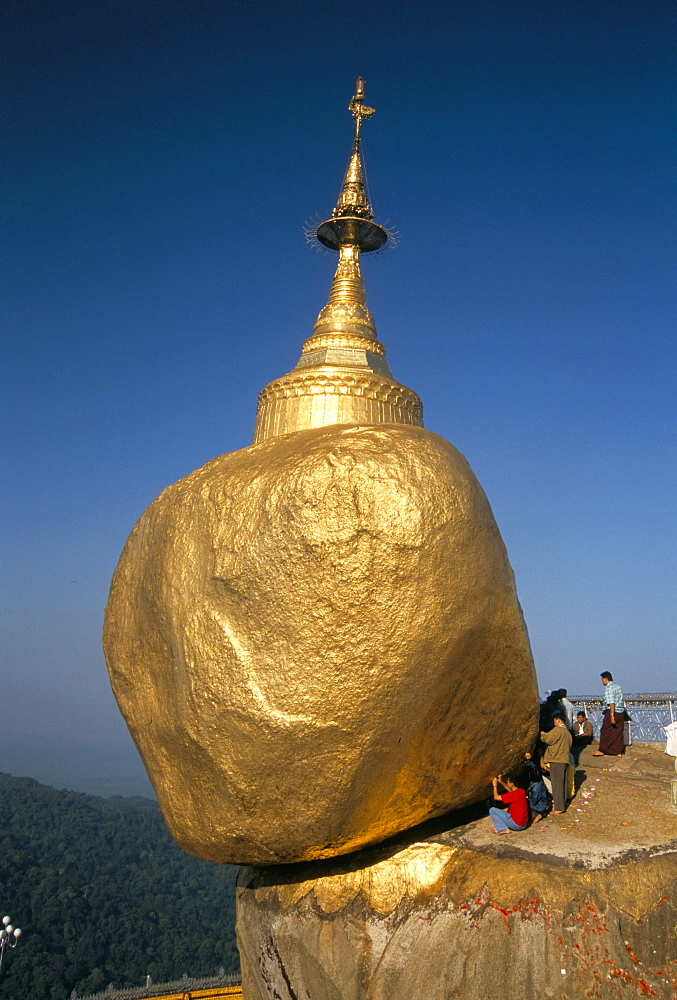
358	109
352	221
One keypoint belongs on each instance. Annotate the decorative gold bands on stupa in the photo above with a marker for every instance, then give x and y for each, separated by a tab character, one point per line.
300	400
342	376
320	340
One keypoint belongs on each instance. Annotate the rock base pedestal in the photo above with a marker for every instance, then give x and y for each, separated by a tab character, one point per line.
565	911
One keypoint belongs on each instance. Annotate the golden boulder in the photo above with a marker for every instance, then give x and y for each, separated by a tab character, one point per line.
316	643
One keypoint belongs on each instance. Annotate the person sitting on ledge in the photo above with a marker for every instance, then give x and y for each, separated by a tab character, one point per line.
583	735
516	817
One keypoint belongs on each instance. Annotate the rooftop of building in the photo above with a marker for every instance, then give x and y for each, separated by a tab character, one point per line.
186	988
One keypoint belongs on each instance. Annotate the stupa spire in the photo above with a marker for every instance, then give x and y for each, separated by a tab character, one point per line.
342	376
353	199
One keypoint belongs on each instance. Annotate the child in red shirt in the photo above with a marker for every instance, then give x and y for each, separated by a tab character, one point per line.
516	816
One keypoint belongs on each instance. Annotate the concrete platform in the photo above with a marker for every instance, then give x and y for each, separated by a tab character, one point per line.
622	811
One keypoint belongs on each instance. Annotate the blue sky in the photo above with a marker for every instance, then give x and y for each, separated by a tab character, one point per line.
160	161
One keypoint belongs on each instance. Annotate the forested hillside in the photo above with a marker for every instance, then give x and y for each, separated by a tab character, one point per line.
104	895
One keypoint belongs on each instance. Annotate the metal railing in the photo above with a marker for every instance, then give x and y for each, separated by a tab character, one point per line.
649	713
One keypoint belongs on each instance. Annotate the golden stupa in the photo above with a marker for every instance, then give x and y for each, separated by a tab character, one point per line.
316	640
342	376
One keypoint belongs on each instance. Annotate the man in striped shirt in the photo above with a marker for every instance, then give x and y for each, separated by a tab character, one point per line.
611	736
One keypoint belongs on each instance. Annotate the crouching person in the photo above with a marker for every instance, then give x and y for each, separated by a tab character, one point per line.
516	816
537	793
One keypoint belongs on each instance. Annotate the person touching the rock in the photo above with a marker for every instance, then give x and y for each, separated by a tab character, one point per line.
556	758
516	817
548	709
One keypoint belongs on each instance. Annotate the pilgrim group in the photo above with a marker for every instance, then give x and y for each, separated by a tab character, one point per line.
546	781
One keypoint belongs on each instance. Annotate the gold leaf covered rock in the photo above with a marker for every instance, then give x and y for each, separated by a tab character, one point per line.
316	643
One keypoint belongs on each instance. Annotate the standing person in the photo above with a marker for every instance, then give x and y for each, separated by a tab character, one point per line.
612	735
558	746
582	735
566	708
516	817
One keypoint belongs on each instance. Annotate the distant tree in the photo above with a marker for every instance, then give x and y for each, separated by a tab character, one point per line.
104	895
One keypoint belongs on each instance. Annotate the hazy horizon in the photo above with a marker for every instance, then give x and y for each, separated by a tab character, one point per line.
112	769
